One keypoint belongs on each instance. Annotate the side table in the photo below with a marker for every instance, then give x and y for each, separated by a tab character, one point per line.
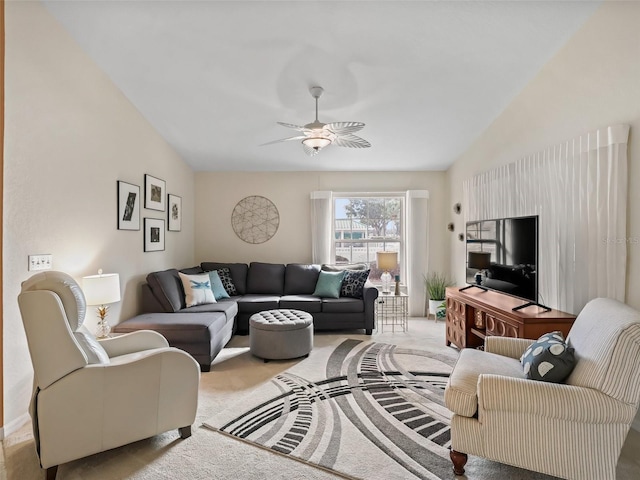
392	310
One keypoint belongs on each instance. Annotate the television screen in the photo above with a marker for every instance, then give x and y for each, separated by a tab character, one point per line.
502	254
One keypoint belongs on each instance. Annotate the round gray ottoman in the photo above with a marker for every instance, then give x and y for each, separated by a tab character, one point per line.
280	334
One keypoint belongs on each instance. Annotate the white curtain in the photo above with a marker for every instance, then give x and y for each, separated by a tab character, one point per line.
322	228
417	248
579	191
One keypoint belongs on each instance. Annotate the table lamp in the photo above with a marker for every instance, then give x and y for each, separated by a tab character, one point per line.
479	261
387	261
99	290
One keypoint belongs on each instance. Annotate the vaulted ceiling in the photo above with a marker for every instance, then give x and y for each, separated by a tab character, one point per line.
426	77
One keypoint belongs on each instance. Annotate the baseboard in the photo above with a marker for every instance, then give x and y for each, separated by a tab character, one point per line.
14	426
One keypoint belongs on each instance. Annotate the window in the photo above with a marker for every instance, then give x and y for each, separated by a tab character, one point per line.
365	225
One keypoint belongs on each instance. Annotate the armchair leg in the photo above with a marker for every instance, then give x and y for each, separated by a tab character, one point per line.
459	460
51	472
185	432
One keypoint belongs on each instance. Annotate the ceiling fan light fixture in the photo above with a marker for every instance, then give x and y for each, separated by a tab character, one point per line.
317	135
316	143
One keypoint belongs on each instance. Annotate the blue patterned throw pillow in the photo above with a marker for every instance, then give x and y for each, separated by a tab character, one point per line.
353	283
548	359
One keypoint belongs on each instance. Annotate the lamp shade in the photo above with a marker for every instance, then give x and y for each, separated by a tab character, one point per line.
479	260
101	289
387	260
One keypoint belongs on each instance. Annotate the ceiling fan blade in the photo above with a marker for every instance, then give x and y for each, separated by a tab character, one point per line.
310	151
295	127
352	141
343	128
299	137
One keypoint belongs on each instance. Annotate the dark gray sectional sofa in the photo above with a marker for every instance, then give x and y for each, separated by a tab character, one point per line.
203	330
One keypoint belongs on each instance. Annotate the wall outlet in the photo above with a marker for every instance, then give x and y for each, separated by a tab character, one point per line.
40	262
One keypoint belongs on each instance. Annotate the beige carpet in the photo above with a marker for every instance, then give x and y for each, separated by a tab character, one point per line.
210	455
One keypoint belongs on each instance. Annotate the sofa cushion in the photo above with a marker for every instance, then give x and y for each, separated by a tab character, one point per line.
461	394
548	359
197	289
167	288
348	266
266	278
192	270
238	273
306	303
228	306
342	305
329	284
353	283
178	327
257	303
300	279
95	353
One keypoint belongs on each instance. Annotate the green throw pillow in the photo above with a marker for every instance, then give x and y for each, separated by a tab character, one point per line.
329	284
217	286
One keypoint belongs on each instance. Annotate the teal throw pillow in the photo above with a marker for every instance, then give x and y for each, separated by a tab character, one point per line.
329	284
219	291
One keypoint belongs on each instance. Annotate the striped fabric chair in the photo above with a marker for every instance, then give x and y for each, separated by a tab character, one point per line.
573	430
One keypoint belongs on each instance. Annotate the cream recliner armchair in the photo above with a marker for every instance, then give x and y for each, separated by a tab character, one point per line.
573	430
91	396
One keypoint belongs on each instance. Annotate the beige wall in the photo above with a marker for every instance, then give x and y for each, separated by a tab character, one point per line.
592	82
70	135
218	193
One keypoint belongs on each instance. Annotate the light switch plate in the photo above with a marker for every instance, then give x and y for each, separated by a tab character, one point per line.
40	262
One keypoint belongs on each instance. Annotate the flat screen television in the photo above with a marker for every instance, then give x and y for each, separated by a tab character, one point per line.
508	258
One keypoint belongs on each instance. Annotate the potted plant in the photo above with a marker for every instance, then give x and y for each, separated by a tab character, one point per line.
436	285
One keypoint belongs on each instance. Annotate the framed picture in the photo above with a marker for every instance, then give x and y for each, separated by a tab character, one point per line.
153	235
128	206
175	213
154	193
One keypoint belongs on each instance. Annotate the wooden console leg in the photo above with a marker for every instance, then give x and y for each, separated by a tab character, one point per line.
185	432
459	460
51	473
368	331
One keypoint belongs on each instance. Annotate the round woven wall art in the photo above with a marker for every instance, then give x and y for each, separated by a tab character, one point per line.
255	219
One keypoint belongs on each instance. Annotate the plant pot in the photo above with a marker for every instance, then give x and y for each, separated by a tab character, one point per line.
437	308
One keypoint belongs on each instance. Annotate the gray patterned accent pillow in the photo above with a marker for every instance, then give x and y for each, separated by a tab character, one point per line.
353	283
227	282
548	359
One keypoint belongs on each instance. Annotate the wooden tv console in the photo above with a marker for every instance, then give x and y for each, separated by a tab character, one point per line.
475	314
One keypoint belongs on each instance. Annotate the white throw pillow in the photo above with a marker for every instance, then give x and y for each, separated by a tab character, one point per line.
197	289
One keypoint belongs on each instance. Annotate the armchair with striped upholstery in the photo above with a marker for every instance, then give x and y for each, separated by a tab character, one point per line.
573	430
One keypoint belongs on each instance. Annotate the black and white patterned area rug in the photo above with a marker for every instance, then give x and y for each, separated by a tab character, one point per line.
361	410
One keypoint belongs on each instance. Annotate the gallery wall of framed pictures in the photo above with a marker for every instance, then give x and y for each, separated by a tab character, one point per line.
157	199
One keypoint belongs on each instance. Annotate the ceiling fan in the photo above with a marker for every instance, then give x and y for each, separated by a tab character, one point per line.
317	135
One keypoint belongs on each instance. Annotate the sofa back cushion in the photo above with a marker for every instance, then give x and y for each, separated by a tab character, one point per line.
300	279
266	278
606	339
167	288
238	273
348	266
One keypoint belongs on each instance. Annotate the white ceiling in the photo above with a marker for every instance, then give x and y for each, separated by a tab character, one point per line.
426	77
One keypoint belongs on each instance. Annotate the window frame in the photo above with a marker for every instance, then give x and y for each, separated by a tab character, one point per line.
400	241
